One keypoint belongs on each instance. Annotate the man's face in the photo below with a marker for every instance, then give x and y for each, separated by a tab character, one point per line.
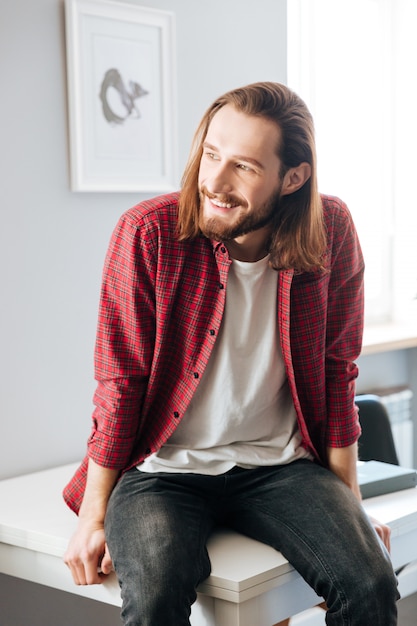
239	177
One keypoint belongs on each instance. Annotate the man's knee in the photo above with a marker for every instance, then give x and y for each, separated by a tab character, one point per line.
368	595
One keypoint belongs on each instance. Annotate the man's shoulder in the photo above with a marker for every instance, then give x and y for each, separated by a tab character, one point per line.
333	204
335	212
157	210
341	232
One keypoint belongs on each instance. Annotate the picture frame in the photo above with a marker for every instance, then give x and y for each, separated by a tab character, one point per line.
121	97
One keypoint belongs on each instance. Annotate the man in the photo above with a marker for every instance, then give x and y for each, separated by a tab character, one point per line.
230	318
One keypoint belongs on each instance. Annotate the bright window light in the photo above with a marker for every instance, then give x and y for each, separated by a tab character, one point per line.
352	62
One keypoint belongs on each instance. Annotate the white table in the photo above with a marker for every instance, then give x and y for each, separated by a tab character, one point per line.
250	583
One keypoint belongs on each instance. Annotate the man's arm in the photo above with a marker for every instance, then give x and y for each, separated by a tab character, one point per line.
343	463
87	555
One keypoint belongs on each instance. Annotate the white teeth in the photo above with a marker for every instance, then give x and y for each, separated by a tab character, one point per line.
222	205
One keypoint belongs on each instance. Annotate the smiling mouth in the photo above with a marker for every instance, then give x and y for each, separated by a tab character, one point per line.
222	205
221	200
226	203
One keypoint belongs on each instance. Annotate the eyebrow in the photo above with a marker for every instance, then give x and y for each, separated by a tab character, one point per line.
239	157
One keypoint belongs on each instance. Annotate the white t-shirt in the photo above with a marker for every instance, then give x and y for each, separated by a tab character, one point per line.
242	412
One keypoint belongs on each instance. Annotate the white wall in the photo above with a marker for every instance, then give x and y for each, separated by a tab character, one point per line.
53	241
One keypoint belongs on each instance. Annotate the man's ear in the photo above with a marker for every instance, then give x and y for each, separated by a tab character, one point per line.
295	178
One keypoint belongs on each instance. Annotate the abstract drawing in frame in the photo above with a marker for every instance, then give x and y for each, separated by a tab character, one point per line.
121	94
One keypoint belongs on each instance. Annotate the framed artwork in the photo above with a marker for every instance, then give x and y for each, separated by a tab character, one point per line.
121	97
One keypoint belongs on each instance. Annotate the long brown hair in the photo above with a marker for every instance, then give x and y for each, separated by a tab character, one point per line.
298	239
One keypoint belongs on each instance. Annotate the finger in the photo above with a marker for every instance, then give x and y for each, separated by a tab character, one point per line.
85	572
77	572
384	533
388	539
74	568
106	563
92	572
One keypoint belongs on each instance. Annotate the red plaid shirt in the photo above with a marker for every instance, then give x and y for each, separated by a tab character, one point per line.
161	308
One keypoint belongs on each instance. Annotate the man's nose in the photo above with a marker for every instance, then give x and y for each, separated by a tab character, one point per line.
220	180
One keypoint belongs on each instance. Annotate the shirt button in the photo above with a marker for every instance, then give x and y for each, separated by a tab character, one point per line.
196	374
148	451
223	249
212	332
176	414
221	286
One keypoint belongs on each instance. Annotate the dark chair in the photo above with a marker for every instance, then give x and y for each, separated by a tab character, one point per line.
376	442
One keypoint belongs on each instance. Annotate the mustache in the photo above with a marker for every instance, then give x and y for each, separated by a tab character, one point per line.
222	197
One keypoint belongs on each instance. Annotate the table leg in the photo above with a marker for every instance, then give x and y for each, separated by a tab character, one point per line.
233	614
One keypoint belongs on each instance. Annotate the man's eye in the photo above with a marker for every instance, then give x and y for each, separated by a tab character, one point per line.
244	167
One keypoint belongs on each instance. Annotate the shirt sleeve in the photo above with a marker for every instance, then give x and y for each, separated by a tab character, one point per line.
344	331
124	344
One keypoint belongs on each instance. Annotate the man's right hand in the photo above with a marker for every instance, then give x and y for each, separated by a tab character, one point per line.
87	555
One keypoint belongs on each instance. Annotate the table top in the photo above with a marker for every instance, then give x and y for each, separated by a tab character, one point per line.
34	516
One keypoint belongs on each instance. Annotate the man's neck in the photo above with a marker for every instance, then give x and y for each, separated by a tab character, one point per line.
251	247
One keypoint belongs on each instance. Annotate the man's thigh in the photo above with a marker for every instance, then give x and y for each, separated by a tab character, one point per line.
157	517
312	517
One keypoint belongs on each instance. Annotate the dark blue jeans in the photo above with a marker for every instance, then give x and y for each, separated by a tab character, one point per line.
157	527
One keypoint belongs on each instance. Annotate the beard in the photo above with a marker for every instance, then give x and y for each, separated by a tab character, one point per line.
245	222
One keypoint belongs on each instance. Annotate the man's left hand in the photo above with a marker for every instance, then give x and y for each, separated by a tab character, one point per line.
383	531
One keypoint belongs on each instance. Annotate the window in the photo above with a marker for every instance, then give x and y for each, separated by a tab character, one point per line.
352	63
